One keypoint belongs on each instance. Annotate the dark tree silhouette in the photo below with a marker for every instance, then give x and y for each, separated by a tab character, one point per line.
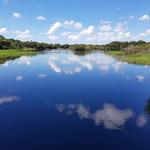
147	107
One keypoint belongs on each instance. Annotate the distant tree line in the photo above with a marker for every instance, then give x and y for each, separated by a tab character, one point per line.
31	45
128	47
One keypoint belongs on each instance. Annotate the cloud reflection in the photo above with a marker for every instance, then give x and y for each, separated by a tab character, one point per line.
19	78
112	117
71	63
141	121
109	116
24	60
8	99
42	75
140	78
6	64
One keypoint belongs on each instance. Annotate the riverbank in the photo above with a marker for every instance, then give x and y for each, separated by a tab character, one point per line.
137	58
142	58
6	55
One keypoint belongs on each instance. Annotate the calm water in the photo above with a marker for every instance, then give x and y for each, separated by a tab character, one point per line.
60	100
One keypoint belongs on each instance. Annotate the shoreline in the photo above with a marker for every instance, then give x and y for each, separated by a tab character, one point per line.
142	58
6	55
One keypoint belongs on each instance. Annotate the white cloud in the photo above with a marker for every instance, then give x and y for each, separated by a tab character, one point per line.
73	24
85	33
106	27
19	78
106	33
8	99
78	25
120	27
65	33
88	31
109	33
3	30
22	35
105	21
141	121
131	17
145	18
143	34
66	24
54	28
16	15
74	37
53	37
41	18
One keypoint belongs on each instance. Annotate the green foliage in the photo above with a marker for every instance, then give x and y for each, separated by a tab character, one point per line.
128	47
113	46
132	49
13	54
137	52
83	47
16	44
65	46
142	58
122	45
78	47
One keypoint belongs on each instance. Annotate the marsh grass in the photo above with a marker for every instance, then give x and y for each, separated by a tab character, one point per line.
142	58
13	54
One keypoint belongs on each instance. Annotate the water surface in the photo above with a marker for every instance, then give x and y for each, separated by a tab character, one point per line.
62	100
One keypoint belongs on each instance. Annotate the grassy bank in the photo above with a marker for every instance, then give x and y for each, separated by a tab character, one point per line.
13	54
137	58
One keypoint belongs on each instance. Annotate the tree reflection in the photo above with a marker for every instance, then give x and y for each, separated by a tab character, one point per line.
147	107
82	52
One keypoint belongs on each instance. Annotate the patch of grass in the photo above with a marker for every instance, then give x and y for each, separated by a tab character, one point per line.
13	54
115	53
137	58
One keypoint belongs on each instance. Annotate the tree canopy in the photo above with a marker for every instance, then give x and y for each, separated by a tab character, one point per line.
128	47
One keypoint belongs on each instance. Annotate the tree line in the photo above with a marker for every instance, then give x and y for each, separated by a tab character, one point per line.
128	47
17	44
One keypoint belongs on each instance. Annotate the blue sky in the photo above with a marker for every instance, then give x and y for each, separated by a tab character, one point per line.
78	21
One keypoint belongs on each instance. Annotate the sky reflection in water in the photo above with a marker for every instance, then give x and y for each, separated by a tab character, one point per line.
54	92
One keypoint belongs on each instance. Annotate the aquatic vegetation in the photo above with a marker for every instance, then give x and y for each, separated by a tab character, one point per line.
137	58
